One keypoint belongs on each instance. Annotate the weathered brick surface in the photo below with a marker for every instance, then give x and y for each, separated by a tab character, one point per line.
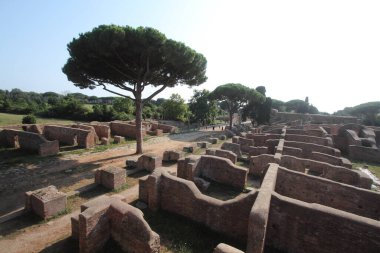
182	197
108	217
149	162
172	155
70	136
111	177
296	226
235	148
307	138
217	169
101	129
28	141
45	202
329	193
255	151
222	153
213	140
307	148
339	161
258	164
125	129
118	139
203	144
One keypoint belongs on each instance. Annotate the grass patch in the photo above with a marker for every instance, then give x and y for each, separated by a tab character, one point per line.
373	167
15	119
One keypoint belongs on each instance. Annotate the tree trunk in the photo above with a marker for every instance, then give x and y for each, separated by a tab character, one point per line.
231	114
139	136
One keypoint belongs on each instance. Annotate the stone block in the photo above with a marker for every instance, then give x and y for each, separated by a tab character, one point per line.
104	141
111	177
131	164
172	156
45	202
234	147
203	144
188	149
118	139
222	137
149	162
213	140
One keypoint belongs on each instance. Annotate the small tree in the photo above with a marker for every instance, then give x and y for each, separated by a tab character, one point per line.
175	108
130	60
203	109
29	119
234	96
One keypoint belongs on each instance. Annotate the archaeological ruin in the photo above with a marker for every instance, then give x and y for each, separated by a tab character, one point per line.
294	185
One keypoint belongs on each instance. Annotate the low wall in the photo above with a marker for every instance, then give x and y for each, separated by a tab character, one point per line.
307	148
68	135
102	130
28	141
258	164
258	217
222	153
309	139
165	128
329	193
180	196
217	169
326	170
296	226
110	217
260	139
364	153
88	128
339	161
125	129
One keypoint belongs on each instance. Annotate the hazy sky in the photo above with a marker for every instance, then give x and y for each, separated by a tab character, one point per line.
326	50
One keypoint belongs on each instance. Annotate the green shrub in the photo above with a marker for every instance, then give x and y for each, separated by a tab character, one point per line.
29	119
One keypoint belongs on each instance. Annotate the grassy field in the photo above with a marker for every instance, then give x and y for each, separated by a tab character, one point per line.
373	167
14	119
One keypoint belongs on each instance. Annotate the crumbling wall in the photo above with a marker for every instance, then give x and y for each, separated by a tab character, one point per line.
165	128
364	153
260	139
296	226
258	164
222	153
125	129
108	217
69	136
89	128
180	196
217	169
325	170
307	148
28	141
329	193
340	161
309	139
102	130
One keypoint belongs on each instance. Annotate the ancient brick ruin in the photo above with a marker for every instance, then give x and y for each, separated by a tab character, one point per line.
111	177
110	217
310	198
45	202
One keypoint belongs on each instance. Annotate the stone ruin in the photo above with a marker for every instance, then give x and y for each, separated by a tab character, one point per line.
309	195
111	177
110	217
45	202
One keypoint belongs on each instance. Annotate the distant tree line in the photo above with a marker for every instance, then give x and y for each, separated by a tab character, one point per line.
204	108
369	113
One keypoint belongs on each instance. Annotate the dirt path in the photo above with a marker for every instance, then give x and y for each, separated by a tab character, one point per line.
71	172
57	232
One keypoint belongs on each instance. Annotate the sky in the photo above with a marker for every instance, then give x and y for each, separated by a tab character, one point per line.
327	50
